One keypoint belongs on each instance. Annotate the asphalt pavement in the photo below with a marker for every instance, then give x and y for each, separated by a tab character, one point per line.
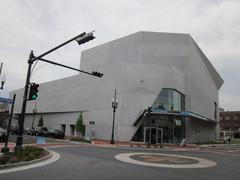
27	139
99	163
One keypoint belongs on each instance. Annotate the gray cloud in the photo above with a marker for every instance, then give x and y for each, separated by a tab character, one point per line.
27	25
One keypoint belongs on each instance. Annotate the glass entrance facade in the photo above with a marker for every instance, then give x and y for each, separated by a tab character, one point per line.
153	135
161	128
172	127
163	124
170	100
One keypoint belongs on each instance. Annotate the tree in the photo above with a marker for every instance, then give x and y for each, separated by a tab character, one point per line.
79	125
40	122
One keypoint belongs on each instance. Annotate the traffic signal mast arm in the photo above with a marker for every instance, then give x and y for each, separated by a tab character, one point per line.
94	73
80	36
81	39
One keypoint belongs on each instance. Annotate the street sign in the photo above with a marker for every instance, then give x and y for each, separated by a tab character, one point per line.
5	100
178	122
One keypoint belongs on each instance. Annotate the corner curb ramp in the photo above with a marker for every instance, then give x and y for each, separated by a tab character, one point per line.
50	158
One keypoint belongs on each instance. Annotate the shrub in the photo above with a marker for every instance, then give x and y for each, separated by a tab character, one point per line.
4	159
79	139
27	153
40	122
5	150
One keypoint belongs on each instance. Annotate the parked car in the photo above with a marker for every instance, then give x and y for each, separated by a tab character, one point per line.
40	131
28	130
3	135
56	133
14	130
32	131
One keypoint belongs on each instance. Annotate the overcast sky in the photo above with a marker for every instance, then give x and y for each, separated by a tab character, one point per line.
39	25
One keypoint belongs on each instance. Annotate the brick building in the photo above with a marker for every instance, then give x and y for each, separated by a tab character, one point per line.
230	123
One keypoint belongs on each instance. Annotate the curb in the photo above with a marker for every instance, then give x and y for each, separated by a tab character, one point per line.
13	165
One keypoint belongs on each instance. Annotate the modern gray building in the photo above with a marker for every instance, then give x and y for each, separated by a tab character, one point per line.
167	90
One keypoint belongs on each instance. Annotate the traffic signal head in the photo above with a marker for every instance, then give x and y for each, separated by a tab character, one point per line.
85	38
98	74
33	91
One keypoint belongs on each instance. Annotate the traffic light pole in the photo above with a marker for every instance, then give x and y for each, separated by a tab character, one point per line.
62	65
81	38
22	117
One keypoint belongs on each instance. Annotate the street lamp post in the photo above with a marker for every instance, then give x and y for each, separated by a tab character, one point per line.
114	106
3	78
1	68
9	122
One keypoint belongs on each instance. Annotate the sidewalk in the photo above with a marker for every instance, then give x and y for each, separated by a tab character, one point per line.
220	145
10	146
142	145
105	143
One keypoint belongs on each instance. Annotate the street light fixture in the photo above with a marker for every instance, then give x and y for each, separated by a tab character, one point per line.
3	80
85	38
114	106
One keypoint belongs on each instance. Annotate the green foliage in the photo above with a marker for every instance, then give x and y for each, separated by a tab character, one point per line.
40	122
79	124
4	159
80	140
27	153
5	150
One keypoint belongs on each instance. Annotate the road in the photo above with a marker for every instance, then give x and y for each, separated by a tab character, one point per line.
99	163
27	139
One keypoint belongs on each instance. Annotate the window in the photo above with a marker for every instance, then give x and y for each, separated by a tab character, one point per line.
235	118
170	100
227	118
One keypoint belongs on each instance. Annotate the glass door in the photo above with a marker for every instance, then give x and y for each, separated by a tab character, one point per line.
159	136
152	135
147	136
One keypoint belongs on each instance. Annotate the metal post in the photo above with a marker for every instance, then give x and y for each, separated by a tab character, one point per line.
114	106
1	69
21	119
173	129
10	120
34	112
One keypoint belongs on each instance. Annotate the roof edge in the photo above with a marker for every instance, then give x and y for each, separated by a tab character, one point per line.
213	72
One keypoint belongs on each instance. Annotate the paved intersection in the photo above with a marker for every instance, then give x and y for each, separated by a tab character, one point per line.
94	162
